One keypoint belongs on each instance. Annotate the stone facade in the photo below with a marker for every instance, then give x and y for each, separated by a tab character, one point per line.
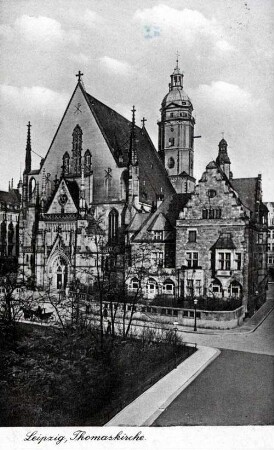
220	243
10	204
103	190
176	135
270	240
90	184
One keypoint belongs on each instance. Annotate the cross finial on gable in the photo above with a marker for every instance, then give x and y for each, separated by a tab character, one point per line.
143	121
133	114
79	75
223	134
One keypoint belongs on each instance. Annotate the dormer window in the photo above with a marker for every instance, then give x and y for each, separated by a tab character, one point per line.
158	235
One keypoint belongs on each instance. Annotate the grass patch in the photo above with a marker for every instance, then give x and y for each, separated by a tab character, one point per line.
54	379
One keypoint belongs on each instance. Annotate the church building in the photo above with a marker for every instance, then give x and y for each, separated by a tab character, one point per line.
103	189
99	171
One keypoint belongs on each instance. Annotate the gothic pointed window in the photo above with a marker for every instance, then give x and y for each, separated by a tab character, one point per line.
87	160
113	226
66	163
77	136
10	238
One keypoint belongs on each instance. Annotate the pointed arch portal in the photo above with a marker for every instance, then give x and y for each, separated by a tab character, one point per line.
58	272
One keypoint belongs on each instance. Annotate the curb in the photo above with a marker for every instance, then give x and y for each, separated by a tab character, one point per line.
149	403
172	397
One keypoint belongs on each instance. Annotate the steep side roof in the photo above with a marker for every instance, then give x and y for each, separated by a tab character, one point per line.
246	188
11	197
137	221
116	129
161	222
170	208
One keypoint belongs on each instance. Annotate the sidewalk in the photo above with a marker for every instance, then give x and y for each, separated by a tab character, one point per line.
249	325
144	410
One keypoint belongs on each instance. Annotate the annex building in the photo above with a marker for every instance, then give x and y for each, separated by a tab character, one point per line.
103	189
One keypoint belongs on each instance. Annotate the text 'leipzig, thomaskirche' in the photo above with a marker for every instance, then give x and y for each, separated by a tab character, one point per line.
103	190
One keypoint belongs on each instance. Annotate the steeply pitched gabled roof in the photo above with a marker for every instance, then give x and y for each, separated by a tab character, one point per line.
73	189
138	221
11	197
160	222
116	130
247	189
170	208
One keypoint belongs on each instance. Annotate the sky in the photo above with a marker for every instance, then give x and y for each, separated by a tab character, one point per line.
127	51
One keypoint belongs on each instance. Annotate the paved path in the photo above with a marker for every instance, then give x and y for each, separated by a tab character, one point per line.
260	341
236	389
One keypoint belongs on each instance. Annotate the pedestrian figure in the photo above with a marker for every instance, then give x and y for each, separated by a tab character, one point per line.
39	311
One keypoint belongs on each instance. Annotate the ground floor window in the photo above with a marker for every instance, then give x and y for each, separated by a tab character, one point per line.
152	287
134	284
235	289
168	287
215	289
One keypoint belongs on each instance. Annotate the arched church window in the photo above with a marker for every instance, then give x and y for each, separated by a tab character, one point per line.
32	186
77	136
171	163
124	185
87	161
113	226
66	163
10	232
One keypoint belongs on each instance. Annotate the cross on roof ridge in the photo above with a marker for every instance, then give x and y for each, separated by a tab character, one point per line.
79	75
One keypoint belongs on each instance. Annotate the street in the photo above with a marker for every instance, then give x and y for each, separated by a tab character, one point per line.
260	341
236	389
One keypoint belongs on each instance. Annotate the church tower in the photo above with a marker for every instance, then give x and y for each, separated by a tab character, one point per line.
176	132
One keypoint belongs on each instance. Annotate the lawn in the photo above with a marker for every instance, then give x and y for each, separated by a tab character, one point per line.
53	377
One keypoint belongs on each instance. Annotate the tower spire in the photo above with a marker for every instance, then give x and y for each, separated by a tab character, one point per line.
177	60
28	151
132	149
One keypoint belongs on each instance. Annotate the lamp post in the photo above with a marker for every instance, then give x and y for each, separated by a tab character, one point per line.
195	313
256	299
175	329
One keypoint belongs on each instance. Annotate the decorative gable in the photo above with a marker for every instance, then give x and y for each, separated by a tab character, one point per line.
214	198
63	201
